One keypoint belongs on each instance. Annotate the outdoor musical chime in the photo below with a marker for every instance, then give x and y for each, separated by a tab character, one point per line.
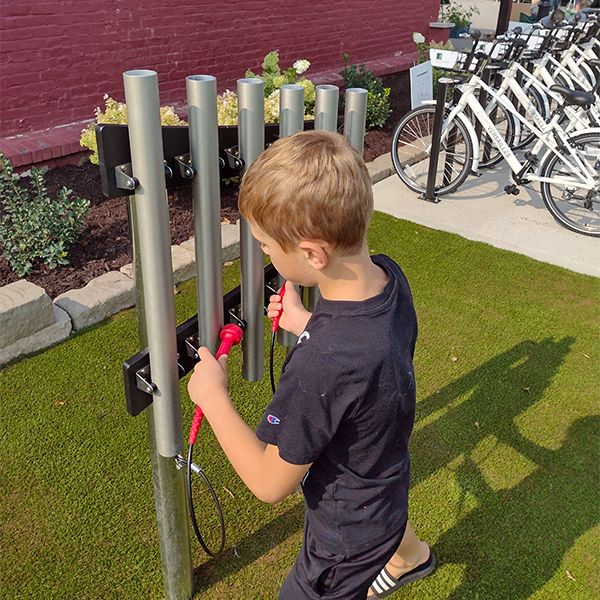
141	160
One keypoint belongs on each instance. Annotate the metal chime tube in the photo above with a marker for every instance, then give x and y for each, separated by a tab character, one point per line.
204	155
326	107
291	121
251	140
326	119
151	235
355	117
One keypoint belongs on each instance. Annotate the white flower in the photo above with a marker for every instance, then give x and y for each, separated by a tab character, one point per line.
105	97
418	38
300	66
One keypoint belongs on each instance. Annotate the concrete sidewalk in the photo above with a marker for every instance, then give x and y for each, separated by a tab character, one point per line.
480	210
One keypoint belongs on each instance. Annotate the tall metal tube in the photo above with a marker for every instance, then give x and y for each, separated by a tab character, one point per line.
326	107
291	121
204	151
291	109
326	119
251	140
168	480
355	116
152	213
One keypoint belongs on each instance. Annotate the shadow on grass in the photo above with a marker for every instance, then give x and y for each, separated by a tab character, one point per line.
485	402
250	548
514	541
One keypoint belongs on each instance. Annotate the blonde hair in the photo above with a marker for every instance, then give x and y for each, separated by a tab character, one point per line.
312	185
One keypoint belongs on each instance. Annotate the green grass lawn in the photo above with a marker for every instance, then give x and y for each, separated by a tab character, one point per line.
505	448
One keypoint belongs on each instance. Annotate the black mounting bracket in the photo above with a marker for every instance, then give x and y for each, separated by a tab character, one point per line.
115	157
139	387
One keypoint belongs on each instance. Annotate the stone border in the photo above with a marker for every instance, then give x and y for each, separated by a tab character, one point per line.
103	296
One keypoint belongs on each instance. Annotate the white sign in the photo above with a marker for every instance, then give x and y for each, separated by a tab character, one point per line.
421	84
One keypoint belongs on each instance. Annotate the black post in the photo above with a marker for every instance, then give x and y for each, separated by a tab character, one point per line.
503	17
436	136
483	100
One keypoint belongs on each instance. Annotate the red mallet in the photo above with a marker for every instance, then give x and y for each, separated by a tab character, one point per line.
275	321
230	336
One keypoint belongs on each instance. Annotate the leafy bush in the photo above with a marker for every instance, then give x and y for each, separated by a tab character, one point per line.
33	227
116	112
273	78
378	101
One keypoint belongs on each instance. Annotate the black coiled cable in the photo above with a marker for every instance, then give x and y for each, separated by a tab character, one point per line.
191	505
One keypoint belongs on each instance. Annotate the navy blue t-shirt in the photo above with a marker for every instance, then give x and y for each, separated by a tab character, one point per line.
346	403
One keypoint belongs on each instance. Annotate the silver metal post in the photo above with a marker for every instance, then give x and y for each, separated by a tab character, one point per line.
326	118
156	325
291	109
355	116
204	151
291	121
326	107
251	140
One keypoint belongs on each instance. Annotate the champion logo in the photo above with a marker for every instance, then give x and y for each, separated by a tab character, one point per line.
304	336
273	419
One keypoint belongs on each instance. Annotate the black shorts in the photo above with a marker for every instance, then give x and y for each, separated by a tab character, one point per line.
320	575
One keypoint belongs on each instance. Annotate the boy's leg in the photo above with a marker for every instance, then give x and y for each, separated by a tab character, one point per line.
410	554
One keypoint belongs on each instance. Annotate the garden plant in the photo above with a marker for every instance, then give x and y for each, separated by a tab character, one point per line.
34	228
378	102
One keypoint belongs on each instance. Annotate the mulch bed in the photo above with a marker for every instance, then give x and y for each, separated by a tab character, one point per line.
104	244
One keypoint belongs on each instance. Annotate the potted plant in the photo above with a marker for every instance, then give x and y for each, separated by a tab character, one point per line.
460	16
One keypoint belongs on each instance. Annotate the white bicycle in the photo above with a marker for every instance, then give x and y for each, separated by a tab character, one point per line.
567	165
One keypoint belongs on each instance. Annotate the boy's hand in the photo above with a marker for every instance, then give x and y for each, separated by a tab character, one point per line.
208	384
294	317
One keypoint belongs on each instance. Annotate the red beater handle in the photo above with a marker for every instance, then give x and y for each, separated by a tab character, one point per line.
230	336
275	321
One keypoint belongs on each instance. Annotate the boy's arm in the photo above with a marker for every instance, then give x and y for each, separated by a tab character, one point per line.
267	475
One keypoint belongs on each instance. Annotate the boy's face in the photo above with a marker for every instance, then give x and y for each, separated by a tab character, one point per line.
293	266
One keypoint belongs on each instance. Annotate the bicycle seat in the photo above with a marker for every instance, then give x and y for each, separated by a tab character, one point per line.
497	65
574	97
454	79
519	42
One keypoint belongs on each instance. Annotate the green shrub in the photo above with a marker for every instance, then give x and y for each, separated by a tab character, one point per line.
33	226
378	102
116	112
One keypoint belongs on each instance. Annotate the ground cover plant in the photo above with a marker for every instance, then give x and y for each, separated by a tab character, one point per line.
36	228
505	452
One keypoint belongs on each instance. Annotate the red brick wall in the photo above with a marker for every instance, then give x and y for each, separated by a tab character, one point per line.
58	57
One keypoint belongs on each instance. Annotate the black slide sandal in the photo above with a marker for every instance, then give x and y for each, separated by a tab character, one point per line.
385	584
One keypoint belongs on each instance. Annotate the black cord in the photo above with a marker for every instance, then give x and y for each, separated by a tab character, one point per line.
271	360
191	505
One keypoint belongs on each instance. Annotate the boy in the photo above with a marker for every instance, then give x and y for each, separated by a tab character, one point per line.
342	415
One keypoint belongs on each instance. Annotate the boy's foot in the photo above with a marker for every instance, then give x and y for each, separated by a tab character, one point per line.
385	583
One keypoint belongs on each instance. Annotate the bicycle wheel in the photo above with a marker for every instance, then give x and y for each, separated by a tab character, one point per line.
411	148
575	208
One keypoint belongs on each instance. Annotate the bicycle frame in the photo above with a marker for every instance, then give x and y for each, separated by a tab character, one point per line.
550	135
577	119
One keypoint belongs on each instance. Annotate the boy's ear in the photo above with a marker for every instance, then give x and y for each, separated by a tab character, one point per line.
316	253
